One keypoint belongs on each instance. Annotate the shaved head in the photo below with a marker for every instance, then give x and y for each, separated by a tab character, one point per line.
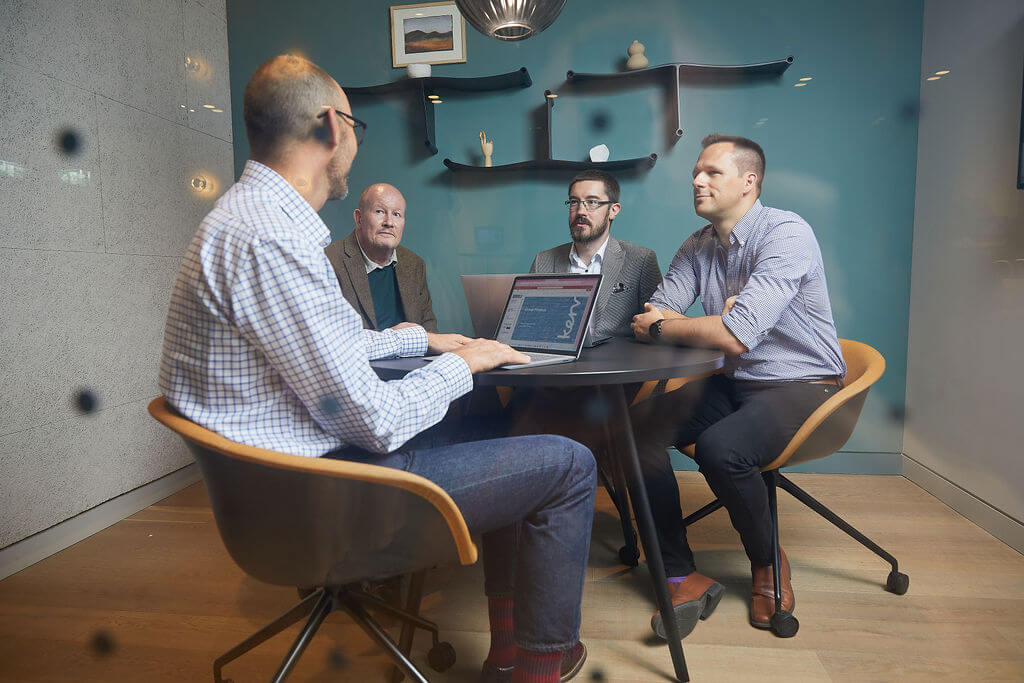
746	154
281	102
377	191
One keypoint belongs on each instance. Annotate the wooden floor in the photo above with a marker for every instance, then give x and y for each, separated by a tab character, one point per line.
156	598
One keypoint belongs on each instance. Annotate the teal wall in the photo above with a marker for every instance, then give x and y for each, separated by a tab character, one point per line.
841	151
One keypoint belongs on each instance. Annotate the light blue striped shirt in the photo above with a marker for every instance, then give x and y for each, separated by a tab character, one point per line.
261	347
782	312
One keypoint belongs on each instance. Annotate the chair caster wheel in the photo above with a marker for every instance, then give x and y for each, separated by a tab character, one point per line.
441	657
629	555
784	624
897	583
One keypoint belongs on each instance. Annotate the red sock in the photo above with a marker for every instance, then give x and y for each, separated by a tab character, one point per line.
537	667
503	647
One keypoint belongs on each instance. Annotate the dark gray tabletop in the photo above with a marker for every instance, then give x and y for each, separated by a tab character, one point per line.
619	361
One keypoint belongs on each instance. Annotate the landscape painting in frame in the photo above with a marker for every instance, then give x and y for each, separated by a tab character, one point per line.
429	33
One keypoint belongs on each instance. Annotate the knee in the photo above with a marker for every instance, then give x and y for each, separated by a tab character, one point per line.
718	456
580	466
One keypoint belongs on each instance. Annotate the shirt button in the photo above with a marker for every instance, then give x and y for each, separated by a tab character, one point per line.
741	243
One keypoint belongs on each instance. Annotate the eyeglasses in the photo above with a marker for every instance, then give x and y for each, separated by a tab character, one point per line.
590	204
358	127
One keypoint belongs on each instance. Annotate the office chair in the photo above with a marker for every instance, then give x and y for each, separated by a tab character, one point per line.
823	433
330	525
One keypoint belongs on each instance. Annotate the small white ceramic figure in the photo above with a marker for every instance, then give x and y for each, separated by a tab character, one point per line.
487	147
599	153
636	60
418	70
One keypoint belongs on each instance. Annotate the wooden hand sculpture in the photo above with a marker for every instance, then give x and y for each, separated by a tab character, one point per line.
487	147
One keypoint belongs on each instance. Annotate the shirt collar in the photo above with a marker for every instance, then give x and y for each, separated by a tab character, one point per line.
741	231
598	256
371	265
291	202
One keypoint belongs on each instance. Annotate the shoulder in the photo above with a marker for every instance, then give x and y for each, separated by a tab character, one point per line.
779	223
562	250
409	256
635	251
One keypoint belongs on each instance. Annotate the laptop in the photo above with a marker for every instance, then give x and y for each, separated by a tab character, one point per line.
485	297
547	316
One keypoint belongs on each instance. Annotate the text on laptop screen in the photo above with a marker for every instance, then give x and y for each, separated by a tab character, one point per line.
547	313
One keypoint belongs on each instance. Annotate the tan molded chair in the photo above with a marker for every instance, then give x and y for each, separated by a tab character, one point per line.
823	433
328	525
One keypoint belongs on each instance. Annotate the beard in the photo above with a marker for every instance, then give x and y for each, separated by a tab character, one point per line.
337	178
588	232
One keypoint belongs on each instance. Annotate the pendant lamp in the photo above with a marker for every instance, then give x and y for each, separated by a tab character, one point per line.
510	19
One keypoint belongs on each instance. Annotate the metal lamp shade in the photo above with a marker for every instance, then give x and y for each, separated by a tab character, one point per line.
510	19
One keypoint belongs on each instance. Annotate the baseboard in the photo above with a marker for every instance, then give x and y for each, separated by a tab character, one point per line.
36	547
996	522
843	462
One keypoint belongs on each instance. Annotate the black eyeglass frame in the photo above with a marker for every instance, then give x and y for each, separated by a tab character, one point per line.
358	127
575	204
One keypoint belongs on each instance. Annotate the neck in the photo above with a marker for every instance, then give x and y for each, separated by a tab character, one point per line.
585	251
307	181
723	226
379	255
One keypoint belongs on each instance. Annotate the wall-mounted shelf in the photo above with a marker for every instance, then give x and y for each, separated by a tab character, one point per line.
676	70
548	164
437	84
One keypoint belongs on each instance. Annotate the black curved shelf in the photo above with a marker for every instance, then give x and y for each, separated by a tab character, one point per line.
759	70
432	84
549	164
560	165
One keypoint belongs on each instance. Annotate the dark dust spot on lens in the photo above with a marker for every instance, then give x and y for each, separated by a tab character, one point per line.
86	401
897	413
597	675
329	405
102	643
69	142
336	659
600	121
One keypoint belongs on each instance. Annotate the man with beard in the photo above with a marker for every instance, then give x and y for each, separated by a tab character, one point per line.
631	273
385	282
261	347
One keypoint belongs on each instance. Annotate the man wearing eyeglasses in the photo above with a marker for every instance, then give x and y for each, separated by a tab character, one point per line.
385	282
631	273
261	347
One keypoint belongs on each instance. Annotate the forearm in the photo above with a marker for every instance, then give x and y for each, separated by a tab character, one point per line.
706	331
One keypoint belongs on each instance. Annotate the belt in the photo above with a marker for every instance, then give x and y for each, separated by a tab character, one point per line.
834	380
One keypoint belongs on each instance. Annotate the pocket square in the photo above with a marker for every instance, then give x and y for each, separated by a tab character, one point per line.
621	287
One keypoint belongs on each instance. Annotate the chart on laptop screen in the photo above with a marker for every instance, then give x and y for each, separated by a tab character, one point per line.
546	314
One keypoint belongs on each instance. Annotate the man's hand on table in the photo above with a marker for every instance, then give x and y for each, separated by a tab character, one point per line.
642	322
442	343
402	326
485	354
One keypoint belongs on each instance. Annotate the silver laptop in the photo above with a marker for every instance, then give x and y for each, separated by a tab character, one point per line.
485	297
546	317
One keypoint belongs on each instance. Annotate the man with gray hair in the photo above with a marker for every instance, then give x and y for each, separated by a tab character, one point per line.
261	347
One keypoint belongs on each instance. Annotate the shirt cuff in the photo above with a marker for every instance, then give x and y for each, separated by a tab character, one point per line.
455	373
412	341
741	329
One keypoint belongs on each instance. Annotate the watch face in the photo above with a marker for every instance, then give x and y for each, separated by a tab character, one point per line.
654	331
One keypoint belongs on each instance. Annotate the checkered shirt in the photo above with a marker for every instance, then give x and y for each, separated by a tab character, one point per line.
261	347
782	312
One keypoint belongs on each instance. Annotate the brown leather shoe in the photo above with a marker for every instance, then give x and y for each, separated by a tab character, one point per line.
693	598
762	595
572	664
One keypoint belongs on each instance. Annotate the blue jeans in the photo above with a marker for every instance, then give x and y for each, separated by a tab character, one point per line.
532	499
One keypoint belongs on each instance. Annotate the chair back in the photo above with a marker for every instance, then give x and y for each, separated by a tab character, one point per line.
829	427
298	521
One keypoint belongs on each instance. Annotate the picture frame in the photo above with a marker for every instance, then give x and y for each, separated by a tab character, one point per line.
427	33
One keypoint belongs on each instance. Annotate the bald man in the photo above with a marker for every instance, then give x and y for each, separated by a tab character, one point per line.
386	283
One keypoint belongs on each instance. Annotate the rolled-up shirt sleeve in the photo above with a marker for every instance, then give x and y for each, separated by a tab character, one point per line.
288	306
679	289
781	264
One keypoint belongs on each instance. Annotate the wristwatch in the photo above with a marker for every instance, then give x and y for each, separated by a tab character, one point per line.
654	331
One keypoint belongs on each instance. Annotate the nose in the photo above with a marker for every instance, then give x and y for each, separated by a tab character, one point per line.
698	181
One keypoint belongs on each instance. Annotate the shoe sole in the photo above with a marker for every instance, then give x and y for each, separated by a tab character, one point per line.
712	596
571	673
686	614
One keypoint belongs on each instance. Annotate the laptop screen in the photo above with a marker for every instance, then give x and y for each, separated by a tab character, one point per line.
548	312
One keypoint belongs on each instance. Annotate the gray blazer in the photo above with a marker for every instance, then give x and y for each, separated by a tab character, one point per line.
347	259
631	274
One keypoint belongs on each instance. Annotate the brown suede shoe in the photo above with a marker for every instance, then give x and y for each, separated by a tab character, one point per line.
572	664
762	596
694	598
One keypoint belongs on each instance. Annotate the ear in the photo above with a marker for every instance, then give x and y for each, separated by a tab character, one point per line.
332	128
357	216
613	210
749	182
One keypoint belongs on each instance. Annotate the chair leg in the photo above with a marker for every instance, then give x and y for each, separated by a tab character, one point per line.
293	615
896	582
320	612
629	553
412	606
703	512
783	623
359	614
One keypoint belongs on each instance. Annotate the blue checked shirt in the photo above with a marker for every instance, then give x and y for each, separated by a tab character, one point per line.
261	347
782	313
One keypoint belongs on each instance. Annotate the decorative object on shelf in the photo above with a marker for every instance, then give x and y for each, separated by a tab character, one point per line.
418	70
600	153
637	59
548	164
429	33
430	86
510	19
487	147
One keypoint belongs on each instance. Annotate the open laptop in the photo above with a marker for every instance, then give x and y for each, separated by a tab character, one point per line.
546	317
485	297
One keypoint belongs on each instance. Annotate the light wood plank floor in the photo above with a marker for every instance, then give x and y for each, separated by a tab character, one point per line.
162	599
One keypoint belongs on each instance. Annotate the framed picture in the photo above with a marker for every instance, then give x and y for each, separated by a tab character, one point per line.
429	33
